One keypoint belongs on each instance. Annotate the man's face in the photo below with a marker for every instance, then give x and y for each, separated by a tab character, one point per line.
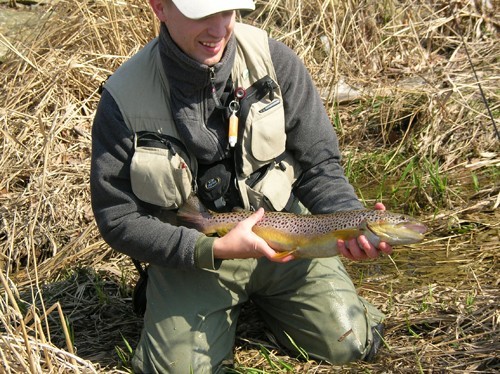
205	39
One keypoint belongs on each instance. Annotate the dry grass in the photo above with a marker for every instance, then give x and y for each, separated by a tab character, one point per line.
419	137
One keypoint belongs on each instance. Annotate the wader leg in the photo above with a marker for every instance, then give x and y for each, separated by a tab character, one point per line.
316	304
190	319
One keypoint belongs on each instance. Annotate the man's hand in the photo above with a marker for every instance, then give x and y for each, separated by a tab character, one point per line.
360	248
242	242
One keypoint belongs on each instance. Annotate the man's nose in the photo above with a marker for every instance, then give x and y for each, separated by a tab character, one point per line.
218	24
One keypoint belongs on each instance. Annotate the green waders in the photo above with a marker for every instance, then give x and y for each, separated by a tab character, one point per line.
191	315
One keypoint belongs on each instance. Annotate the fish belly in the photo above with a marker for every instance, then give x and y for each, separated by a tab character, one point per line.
300	246
325	246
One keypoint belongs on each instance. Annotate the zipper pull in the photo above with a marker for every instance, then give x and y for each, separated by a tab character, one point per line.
171	148
213	90
270	89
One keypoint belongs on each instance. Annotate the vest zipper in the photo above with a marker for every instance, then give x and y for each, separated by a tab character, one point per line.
213	90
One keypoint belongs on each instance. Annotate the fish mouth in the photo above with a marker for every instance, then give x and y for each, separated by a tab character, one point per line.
414	226
399	233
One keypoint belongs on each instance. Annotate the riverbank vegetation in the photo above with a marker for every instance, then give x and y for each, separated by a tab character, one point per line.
412	89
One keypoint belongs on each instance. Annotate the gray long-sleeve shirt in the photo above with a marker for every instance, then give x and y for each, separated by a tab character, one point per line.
128	225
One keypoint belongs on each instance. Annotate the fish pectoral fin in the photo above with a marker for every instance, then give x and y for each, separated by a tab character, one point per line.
221	232
283	254
346	234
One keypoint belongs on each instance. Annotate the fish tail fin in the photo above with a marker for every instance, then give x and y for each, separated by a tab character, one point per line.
193	214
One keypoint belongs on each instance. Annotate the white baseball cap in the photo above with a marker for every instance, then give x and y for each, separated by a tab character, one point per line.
196	9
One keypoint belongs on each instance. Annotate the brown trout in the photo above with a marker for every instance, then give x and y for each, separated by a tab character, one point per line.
308	236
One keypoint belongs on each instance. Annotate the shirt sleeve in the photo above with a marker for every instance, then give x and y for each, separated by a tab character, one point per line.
126	223
323	186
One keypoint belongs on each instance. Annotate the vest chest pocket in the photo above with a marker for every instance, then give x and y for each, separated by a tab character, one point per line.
159	174
264	135
268	130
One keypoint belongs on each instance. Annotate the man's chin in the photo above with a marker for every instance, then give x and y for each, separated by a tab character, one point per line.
211	61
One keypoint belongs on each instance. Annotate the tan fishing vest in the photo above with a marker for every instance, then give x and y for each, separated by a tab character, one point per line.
163	174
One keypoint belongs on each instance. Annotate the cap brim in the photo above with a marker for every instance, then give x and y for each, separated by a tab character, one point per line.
196	9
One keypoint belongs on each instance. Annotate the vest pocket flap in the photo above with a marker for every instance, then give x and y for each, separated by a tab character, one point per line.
160	177
266	193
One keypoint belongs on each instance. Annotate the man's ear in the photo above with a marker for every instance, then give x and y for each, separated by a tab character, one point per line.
159	7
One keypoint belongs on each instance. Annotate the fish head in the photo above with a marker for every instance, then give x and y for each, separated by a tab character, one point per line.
394	229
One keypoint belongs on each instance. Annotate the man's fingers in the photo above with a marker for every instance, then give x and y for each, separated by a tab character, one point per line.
255	217
355	250
367	247
386	248
358	249
341	246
